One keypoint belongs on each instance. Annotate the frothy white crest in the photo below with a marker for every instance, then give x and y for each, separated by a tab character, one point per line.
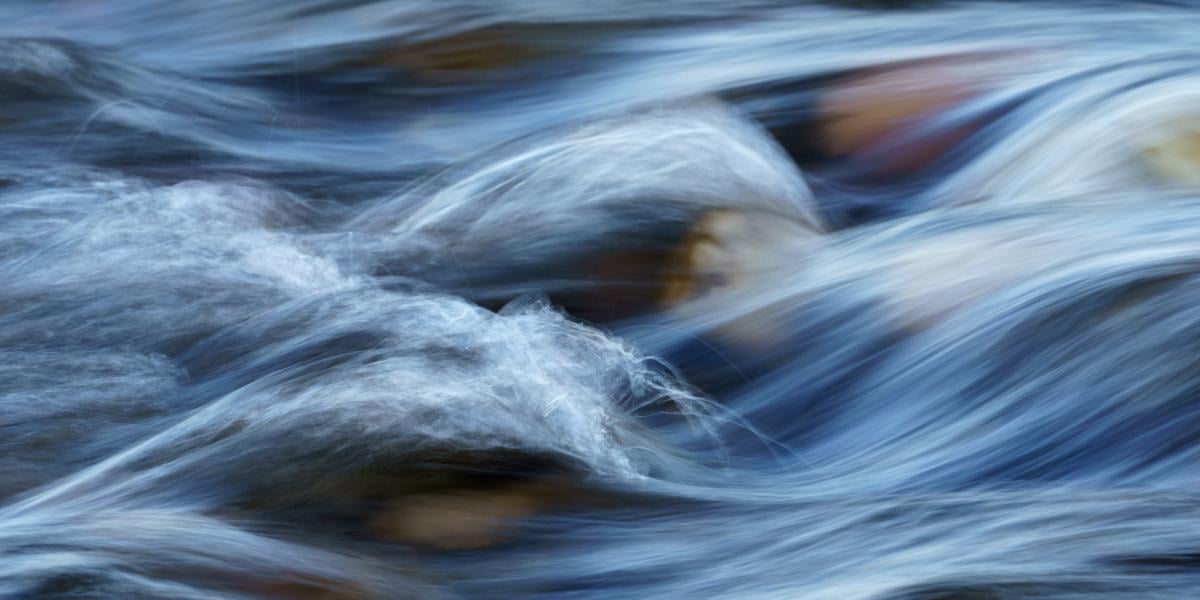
703	155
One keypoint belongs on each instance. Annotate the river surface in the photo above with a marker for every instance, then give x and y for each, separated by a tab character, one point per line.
561	299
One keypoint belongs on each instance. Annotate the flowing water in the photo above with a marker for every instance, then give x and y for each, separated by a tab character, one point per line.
561	299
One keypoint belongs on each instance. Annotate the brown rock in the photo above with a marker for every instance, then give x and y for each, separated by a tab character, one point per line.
880	107
1175	156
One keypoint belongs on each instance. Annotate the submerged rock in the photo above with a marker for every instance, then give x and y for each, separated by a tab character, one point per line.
1175	156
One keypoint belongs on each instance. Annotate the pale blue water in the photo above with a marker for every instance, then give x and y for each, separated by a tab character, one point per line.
253	259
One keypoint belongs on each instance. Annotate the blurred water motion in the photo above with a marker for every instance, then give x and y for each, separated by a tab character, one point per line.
695	299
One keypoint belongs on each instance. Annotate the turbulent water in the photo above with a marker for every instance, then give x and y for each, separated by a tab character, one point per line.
559	299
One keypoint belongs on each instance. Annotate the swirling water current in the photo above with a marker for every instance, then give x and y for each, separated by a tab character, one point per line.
395	299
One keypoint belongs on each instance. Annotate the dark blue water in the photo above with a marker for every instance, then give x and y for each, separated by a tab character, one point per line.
830	300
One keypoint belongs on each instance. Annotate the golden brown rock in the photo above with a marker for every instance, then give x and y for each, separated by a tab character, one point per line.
882	105
1175	155
727	250
473	51
463	519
